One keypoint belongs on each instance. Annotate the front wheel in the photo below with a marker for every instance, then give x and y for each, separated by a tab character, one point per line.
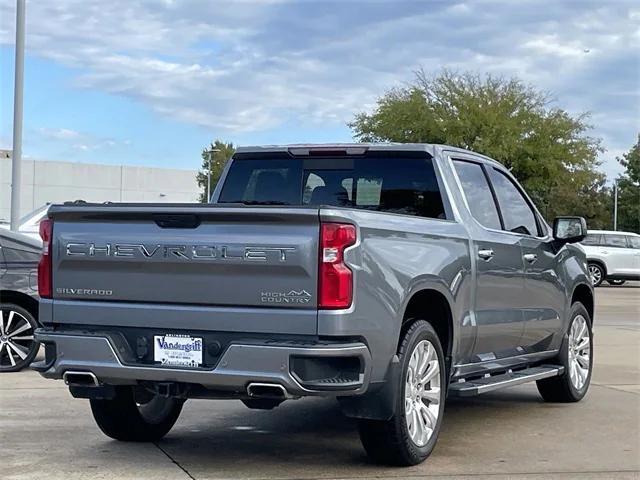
576	356
124	418
409	437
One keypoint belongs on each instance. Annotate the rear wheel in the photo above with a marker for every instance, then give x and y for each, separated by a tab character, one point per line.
409	437
596	272
125	418
18	347
576	356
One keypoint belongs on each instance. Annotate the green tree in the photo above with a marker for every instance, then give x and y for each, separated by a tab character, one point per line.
218	153
547	149
629	190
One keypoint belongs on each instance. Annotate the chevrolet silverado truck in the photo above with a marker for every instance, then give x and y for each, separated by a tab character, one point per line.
388	276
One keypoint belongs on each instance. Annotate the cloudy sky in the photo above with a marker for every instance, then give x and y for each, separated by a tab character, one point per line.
151	82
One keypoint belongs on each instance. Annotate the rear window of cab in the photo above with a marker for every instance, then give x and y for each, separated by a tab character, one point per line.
402	185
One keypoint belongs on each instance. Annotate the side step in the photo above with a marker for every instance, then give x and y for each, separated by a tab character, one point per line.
487	384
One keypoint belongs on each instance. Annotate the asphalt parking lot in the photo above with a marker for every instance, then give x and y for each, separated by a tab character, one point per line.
44	433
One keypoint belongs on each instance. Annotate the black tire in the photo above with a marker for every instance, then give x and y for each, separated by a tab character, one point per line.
17	351
389	442
596	267
616	283
261	403
561	389
122	419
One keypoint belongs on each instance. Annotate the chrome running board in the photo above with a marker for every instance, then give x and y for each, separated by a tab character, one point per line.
485	384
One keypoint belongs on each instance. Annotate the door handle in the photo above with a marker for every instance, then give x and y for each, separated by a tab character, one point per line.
530	257
486	253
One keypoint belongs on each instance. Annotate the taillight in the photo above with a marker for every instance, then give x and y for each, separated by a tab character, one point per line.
335	279
44	266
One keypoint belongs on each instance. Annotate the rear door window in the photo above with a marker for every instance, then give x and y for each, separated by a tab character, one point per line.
403	185
615	241
478	194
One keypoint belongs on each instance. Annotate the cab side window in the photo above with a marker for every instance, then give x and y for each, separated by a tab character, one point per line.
517	214
478	194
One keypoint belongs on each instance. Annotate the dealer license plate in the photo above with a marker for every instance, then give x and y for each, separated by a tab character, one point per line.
177	350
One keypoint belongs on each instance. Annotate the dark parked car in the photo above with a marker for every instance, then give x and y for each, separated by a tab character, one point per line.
19	256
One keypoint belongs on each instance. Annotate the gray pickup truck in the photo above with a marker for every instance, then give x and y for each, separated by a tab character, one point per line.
388	276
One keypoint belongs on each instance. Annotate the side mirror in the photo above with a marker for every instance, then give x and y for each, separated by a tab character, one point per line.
569	229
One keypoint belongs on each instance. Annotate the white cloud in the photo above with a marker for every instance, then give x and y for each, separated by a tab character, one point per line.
60	133
254	66
82	141
551	45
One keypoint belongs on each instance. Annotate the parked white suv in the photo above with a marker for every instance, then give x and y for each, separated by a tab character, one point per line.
612	256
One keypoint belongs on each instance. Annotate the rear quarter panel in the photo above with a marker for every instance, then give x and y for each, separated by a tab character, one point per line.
395	257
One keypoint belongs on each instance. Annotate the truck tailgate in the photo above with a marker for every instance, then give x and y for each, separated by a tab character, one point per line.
200	256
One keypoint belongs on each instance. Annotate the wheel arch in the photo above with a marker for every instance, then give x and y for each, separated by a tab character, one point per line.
584	294
21	299
433	306
428	303
599	262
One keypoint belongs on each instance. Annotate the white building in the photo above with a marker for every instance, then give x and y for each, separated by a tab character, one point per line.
54	182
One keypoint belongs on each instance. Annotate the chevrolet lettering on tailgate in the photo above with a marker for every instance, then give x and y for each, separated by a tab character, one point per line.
187	252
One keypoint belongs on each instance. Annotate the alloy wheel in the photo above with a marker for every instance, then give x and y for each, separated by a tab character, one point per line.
422	393
16	339
595	272
579	352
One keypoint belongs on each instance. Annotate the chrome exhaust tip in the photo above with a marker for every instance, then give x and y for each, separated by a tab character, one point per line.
80	379
267	390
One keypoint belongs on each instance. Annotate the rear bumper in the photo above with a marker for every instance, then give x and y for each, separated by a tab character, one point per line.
239	365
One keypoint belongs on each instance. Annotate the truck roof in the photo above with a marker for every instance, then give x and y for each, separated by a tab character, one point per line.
357	148
373	146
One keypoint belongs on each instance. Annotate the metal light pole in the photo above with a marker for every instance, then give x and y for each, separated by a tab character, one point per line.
210	152
16	160
615	205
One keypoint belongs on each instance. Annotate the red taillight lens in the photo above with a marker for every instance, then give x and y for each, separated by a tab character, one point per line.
335	279
44	266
